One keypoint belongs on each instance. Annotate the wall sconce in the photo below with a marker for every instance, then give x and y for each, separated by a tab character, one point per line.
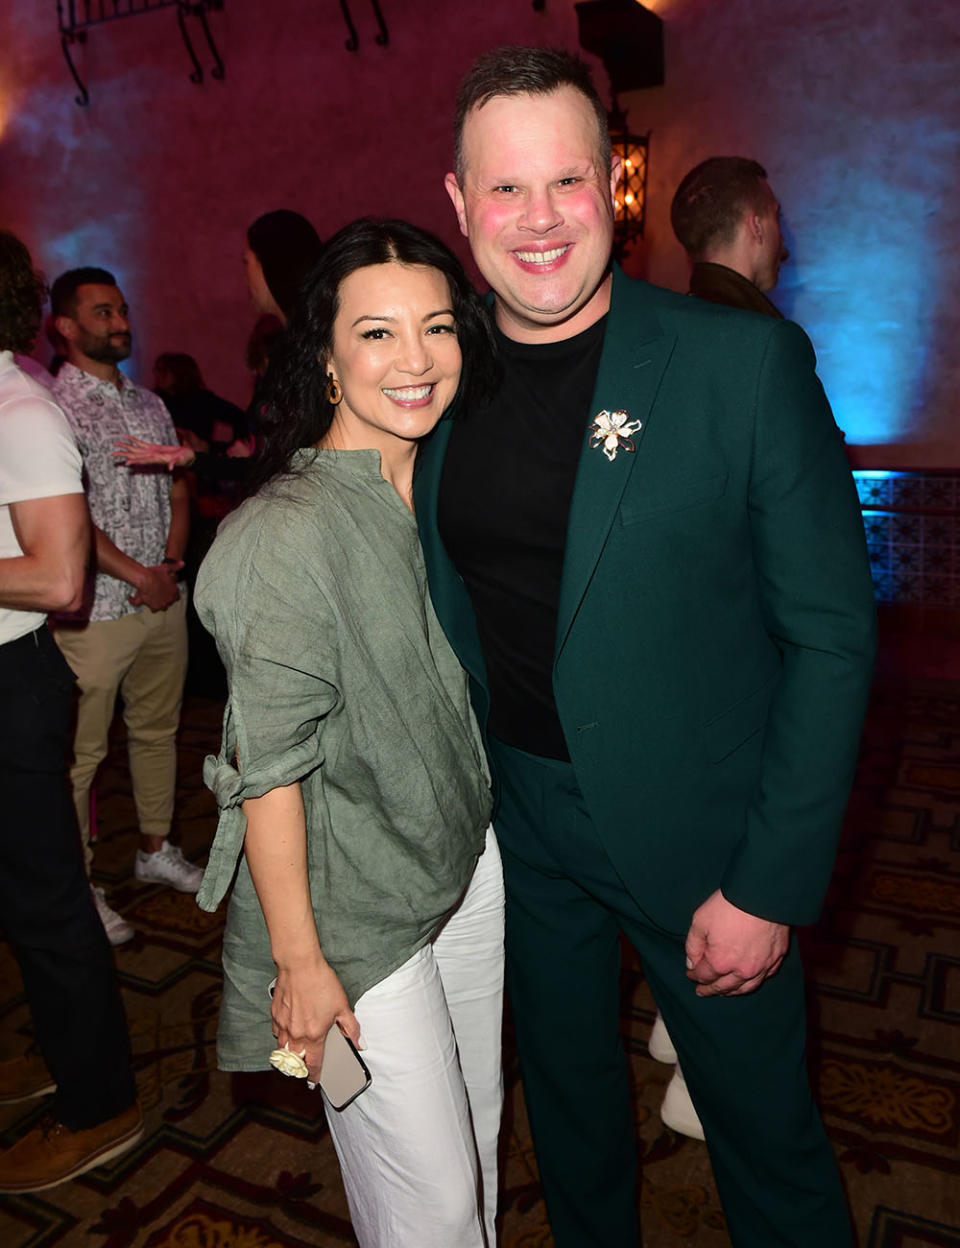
630	201
628	38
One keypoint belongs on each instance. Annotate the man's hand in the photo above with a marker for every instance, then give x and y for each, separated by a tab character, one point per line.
157	587
136	453
730	952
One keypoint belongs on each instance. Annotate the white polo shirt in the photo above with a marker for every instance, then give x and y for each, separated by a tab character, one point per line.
38	459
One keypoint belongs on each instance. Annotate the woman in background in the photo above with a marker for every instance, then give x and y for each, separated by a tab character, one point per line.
351	782
212	421
281	248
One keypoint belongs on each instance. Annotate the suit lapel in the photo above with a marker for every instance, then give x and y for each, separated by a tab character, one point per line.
447	590
635	354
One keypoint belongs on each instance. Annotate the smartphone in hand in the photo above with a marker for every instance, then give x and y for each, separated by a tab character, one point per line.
343	1072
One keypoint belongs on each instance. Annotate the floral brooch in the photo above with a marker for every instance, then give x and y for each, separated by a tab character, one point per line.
289	1063
613	430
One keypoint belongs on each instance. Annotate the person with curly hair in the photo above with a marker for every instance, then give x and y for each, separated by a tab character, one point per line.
46	907
23	293
352	786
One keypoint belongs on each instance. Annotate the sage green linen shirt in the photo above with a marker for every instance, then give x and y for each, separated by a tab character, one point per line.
340	677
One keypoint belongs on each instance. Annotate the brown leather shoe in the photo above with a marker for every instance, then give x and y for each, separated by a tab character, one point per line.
22	1078
51	1153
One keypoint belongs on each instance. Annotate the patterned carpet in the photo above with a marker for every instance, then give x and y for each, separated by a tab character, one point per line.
245	1161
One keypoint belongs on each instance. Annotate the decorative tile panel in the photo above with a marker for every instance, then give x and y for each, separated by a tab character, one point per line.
912	525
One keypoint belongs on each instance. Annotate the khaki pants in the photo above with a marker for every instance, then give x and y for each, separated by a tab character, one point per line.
144	657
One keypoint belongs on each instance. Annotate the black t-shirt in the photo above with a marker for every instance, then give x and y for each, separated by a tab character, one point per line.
504	503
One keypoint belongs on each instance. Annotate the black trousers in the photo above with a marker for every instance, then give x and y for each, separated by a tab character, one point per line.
46	909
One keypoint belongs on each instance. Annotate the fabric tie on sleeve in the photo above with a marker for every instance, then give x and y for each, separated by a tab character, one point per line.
227	785
223	780
231	788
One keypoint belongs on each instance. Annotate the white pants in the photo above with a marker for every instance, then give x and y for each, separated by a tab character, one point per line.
409	1146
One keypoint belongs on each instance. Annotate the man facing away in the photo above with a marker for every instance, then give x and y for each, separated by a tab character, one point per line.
727	219
648	553
134	639
45	905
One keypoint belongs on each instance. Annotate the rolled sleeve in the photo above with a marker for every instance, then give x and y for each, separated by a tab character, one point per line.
270	631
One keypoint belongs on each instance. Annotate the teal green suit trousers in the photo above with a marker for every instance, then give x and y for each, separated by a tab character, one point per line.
742	1056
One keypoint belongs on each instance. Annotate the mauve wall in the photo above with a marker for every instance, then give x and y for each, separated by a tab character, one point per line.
158	178
854	107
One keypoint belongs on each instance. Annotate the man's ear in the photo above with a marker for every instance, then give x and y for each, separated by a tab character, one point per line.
65	327
456	198
755	228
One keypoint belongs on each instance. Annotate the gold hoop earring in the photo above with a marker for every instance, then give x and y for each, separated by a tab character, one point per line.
334	390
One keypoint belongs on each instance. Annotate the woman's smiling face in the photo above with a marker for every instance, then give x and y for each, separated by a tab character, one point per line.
395	355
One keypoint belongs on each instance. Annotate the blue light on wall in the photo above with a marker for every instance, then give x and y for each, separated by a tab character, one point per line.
870	273
867	305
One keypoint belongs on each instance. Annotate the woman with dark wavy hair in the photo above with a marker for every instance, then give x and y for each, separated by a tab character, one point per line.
352	783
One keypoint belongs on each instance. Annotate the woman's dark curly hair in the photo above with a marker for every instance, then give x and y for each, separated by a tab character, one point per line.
297	412
23	293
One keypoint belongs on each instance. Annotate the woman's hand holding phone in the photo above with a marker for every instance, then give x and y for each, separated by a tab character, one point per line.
309	1011
307	1001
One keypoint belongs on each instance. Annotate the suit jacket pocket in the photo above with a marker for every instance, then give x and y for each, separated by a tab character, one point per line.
739	722
677	494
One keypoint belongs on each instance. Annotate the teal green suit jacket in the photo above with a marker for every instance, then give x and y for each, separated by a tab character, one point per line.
716	624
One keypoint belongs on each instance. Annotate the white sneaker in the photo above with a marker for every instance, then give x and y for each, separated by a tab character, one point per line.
660	1046
167	866
115	925
677	1110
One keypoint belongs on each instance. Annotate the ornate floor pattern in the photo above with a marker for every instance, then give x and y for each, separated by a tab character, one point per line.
246	1162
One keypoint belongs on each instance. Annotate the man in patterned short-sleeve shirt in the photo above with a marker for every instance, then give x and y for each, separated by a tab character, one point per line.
132	638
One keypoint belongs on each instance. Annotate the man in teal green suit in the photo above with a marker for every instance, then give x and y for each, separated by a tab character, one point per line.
648	554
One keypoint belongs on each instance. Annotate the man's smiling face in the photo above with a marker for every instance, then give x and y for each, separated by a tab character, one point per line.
101	324
537	206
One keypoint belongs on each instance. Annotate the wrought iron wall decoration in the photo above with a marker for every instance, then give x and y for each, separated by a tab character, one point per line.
77	16
382	38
